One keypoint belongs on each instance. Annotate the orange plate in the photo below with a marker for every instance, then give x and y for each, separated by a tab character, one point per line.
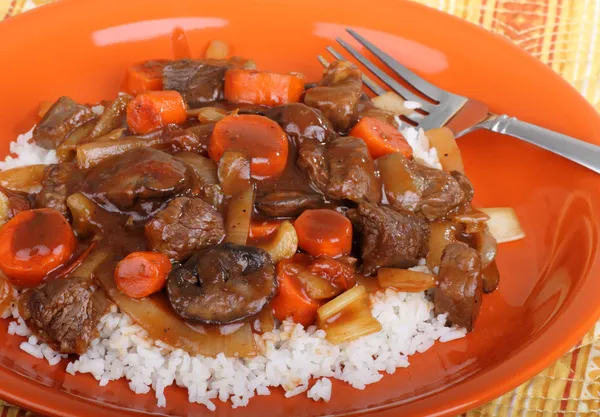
548	296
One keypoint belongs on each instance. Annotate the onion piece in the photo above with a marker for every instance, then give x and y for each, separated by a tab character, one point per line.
402	187
91	154
504	224
26	179
208	114
217	50
43	109
239	213
316	287
155	316
370	283
234	172
442	139
204	167
5	209
348	316
405	280
83	211
80	135
442	234
112	117
490	277
282	244
6	293
264	321
391	101
487	246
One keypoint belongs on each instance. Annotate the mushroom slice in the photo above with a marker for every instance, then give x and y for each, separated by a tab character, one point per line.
223	284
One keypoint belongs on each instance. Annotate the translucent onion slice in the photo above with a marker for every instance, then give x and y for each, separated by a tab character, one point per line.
348	316
442	139
239	214
26	179
217	50
504	224
283	243
405	280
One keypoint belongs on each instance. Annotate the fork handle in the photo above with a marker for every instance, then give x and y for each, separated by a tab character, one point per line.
576	150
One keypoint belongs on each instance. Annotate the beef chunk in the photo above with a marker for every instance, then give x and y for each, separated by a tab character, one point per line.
60	181
460	285
63	313
139	174
442	192
185	226
301	123
341	169
313	160
337	94
287	203
60	119
465	185
389	238
197	81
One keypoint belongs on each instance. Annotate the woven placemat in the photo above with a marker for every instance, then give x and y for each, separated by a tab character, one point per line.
565	34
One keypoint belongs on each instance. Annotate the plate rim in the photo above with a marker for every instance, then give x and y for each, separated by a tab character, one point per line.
16	386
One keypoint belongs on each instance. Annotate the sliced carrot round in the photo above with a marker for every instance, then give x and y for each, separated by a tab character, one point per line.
34	243
155	109
324	232
141	274
380	137
258	137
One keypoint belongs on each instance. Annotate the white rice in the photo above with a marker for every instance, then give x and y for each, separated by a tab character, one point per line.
27	153
418	141
290	357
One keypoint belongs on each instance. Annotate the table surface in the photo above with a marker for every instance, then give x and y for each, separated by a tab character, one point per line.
565	35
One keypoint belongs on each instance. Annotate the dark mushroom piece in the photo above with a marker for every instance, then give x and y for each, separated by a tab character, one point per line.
287	203
460	285
223	284
301	123
139	174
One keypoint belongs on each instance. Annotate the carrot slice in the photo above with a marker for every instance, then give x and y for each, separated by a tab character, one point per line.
263	228
291	300
258	137
141	274
156	109
262	87
144	77
380	137
324	232
33	244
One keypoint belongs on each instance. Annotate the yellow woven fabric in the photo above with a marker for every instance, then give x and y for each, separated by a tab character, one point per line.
565	34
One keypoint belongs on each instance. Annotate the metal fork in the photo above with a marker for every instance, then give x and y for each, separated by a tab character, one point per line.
462	114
